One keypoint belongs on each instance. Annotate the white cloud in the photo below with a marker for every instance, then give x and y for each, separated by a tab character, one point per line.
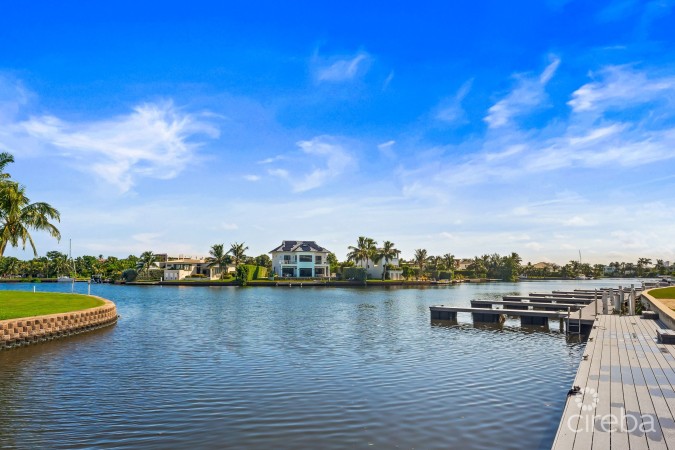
252	178
343	69
229	226
536	246
386	149
272	159
620	87
388	80
155	141
322	150
578	221
451	110
528	95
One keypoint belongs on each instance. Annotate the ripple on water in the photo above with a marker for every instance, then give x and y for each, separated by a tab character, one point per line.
265	367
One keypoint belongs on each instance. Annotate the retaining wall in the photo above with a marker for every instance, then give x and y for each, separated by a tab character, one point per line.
666	315
31	330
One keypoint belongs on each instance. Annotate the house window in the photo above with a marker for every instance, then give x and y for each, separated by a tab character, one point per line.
317	259
319	271
306	258
287	259
305	272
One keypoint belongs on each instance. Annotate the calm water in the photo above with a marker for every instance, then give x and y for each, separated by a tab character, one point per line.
290	368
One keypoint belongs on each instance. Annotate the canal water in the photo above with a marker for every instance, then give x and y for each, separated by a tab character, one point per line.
261	368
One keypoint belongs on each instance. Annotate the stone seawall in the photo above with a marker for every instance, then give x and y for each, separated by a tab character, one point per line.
31	330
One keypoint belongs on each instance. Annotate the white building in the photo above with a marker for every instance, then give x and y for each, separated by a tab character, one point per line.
303	259
182	268
374	269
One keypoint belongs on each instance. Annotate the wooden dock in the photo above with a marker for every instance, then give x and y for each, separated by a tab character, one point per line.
627	395
547	306
516	298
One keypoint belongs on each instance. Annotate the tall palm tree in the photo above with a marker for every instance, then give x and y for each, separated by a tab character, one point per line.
146	261
219	258
449	261
366	248
5	158
238	253
386	254
18	215
420	258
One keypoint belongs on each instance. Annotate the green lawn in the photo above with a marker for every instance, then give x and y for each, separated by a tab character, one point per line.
14	304
668	292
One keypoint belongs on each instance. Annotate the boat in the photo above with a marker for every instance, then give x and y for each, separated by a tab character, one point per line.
67	278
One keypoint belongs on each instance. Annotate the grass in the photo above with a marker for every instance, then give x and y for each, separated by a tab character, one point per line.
668	292
16	304
666	295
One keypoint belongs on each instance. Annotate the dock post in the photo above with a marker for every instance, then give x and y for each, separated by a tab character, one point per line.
605	309
569	313
595	301
579	329
632	300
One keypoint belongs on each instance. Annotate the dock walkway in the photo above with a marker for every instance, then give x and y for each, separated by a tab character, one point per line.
627	389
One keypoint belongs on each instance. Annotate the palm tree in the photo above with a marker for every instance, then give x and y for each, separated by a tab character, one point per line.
5	158
420	259
146	261
18	215
219	259
366	248
238	253
386	253
642	264
449	261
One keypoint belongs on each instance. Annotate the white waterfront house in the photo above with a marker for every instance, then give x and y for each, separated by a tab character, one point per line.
182	268
300	259
374	268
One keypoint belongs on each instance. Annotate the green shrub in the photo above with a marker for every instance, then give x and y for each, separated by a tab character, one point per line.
354	273
129	275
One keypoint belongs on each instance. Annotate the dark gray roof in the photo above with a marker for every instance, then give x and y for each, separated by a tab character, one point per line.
299	246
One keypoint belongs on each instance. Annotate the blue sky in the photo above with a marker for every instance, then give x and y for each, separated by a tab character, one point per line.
541	127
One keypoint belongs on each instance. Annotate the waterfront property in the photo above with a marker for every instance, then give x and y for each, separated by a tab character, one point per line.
182	268
374	268
300	259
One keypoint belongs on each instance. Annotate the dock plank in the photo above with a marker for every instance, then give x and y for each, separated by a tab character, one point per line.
636	439
569	422
641	374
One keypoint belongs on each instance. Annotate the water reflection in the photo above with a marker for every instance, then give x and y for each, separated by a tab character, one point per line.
288	368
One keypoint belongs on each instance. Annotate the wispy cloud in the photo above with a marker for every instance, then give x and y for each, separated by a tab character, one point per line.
325	151
386	149
155	140
341	69
619	88
529	94
451	110
252	178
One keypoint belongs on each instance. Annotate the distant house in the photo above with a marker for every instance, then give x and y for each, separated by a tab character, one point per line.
374	269
181	268
463	264
300	259
543	266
